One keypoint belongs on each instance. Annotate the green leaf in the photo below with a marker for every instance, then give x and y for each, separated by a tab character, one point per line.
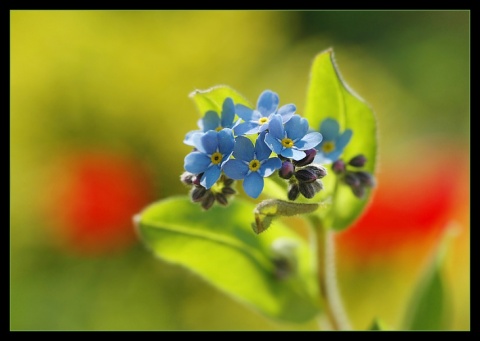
272	272
428	308
377	325
329	96
212	99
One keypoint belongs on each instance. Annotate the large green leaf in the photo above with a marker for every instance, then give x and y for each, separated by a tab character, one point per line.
272	272
329	96
428	308
212	99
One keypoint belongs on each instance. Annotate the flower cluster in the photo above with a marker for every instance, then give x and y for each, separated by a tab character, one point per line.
251	144
358	180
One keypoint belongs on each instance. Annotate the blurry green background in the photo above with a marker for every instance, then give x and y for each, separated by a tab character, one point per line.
99	109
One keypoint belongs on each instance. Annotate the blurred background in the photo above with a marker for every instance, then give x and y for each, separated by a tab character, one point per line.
99	109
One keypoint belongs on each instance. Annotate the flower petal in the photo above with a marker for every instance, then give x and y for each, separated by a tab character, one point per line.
329	129
293	153
244	112
287	111
272	143
245	127
188	140
275	127
208	142
270	166
210	121
309	141
343	139
228	113
196	162
296	127
262	151
211	175
253	184
243	149
267	102
235	169
226	141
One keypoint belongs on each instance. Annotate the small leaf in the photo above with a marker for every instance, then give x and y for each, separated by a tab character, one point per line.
329	96
428	307
220	246
377	325
212	99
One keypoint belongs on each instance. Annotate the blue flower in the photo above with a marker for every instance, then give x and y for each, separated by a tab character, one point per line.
211	121
213	149
258	120
252	164
333	144
292	139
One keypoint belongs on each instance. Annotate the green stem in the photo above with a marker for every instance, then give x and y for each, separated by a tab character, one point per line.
328	289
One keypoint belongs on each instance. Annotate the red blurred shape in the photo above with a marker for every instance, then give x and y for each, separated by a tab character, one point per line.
413	202
96	196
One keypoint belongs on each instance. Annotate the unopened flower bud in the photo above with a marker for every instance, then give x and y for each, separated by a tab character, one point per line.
309	190
228	182
352	180
305	175
365	178
358	191
338	166
196	179
307	159
358	161
187	178
287	169
319	170
293	191
197	193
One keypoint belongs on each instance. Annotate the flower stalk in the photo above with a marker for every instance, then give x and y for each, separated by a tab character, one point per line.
323	238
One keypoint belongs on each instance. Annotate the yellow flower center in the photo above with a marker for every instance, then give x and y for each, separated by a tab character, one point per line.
254	165
328	147
287	143
218	128
216	158
263	120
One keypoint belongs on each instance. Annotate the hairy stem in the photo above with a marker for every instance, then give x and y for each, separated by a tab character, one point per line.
327	282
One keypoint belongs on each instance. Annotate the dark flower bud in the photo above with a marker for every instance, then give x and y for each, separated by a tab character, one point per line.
305	175
352	180
358	161
307	159
221	198
228	182
196	179
338	166
187	178
293	191
359	191
208	200
228	190
197	193
287	169
365	178
319	170
309	190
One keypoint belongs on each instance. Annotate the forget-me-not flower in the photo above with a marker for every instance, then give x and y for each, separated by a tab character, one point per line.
291	140
333	144
211	120
257	120
251	163
213	149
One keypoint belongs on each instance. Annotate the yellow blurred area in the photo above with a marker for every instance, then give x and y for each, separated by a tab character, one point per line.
117	82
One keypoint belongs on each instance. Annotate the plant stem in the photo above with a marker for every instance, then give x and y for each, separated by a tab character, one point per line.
328	289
